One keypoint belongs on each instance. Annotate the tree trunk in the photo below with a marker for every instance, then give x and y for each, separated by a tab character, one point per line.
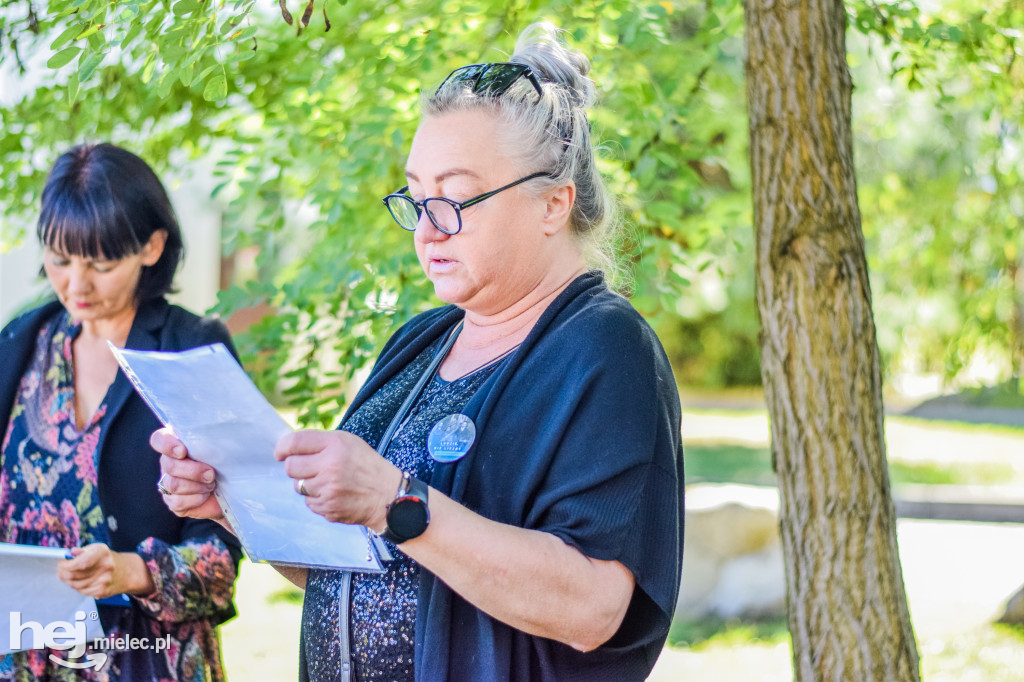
847	606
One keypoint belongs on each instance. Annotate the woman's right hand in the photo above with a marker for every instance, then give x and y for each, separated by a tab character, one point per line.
190	484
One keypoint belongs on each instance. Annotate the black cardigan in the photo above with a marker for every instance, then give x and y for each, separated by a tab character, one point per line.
578	435
128	467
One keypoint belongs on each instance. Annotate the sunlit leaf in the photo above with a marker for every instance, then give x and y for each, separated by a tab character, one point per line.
216	88
63	57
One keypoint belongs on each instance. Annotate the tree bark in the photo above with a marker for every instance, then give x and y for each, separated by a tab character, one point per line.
848	611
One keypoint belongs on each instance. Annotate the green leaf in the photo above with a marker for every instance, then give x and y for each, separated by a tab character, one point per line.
73	88
88	65
132	34
219	188
147	68
153	26
167	78
242	54
216	88
172	52
95	28
66	36
243	33
183	7
63	57
206	72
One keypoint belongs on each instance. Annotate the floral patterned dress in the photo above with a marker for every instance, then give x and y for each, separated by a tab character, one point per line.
48	497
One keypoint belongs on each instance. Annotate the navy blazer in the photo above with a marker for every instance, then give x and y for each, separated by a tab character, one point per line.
128	467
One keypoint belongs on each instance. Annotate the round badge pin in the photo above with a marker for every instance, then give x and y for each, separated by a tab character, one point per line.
451	438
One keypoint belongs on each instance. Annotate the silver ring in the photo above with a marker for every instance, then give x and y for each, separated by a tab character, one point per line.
161	487
300	487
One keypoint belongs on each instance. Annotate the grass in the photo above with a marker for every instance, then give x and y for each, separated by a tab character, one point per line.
742	653
287	595
728	464
1013	631
1007	394
963	474
966	428
752	465
988	654
712	632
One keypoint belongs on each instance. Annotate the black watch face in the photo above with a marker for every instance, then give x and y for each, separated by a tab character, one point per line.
408	517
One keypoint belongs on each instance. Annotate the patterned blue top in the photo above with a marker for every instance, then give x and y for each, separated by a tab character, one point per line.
48	482
383	605
49	497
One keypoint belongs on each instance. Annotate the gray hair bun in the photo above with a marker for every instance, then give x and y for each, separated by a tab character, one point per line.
539	48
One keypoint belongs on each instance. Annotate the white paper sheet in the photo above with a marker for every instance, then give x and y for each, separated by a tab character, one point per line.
213	407
33	599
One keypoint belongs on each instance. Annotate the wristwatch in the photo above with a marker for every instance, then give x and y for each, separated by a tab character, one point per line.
408	515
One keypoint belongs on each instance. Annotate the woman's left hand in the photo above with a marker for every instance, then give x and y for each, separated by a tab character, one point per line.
98	571
344	479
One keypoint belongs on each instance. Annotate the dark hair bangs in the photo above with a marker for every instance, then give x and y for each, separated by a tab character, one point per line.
103	202
86	226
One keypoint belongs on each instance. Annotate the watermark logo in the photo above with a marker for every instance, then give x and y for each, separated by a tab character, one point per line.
61	635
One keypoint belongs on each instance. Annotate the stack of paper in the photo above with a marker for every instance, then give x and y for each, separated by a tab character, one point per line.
212	406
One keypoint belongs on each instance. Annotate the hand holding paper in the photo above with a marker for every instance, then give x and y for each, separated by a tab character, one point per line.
98	571
215	410
345	479
191	484
35	598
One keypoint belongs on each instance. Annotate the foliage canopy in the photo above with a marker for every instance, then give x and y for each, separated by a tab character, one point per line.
307	125
310	130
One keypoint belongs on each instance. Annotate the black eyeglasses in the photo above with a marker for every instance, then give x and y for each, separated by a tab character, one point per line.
493	79
445	214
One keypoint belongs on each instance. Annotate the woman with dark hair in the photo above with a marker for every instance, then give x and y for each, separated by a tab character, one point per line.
76	468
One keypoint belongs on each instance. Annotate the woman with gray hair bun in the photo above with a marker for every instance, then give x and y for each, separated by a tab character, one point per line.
517	449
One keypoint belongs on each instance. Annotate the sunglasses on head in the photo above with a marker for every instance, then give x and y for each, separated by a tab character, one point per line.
493	79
